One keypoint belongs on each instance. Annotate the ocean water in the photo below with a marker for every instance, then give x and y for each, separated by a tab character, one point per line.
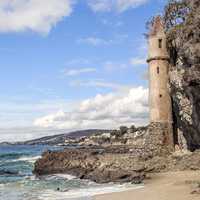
18	183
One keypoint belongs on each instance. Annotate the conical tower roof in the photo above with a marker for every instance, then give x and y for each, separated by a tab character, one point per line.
157	27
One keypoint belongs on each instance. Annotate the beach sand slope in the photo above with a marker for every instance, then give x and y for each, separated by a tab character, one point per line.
162	186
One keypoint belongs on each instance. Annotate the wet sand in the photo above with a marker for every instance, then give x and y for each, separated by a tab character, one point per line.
163	186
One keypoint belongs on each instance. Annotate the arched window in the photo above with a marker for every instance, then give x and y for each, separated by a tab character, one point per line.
160	43
160	95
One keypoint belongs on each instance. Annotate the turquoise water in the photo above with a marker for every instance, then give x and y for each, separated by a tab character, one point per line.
18	183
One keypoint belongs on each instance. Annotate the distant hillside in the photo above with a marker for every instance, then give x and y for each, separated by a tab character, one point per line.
58	139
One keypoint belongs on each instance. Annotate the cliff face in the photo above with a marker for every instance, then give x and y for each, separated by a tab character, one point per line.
182	20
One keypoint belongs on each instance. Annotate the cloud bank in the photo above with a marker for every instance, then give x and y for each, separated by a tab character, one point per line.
102	111
35	15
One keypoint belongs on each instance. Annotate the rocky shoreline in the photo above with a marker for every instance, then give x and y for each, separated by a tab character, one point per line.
96	165
119	162
108	165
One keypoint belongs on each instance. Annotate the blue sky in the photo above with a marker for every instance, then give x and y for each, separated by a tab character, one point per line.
73	64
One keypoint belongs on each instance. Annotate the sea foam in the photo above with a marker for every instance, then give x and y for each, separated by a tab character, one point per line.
65	176
86	192
29	159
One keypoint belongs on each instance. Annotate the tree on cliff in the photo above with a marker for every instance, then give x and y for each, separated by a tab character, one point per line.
182	21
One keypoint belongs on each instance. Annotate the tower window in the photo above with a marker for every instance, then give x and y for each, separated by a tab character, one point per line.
160	43
160	95
158	70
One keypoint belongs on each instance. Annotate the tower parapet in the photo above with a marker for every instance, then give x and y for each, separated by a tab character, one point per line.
157	41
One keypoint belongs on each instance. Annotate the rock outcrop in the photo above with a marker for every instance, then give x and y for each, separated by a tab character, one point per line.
183	33
113	164
99	165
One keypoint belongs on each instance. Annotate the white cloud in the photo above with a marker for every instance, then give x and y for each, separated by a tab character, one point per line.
103	111
138	61
75	72
123	5
95	41
78	61
99	84
22	112
35	15
116	5
115	24
111	66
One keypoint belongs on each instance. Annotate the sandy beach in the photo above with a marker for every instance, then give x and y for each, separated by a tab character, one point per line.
163	186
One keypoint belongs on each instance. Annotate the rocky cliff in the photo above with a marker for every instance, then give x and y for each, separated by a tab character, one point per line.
182	19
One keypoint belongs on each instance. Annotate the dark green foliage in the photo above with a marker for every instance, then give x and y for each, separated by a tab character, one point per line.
123	130
133	129
114	132
182	24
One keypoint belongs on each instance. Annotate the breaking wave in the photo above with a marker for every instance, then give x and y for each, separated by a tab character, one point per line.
28	159
86	192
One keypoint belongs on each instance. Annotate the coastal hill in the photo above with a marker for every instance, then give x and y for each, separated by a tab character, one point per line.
61	138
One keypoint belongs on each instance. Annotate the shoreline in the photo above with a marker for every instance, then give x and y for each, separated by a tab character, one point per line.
161	186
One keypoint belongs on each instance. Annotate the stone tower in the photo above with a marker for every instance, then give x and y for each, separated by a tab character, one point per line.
158	60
